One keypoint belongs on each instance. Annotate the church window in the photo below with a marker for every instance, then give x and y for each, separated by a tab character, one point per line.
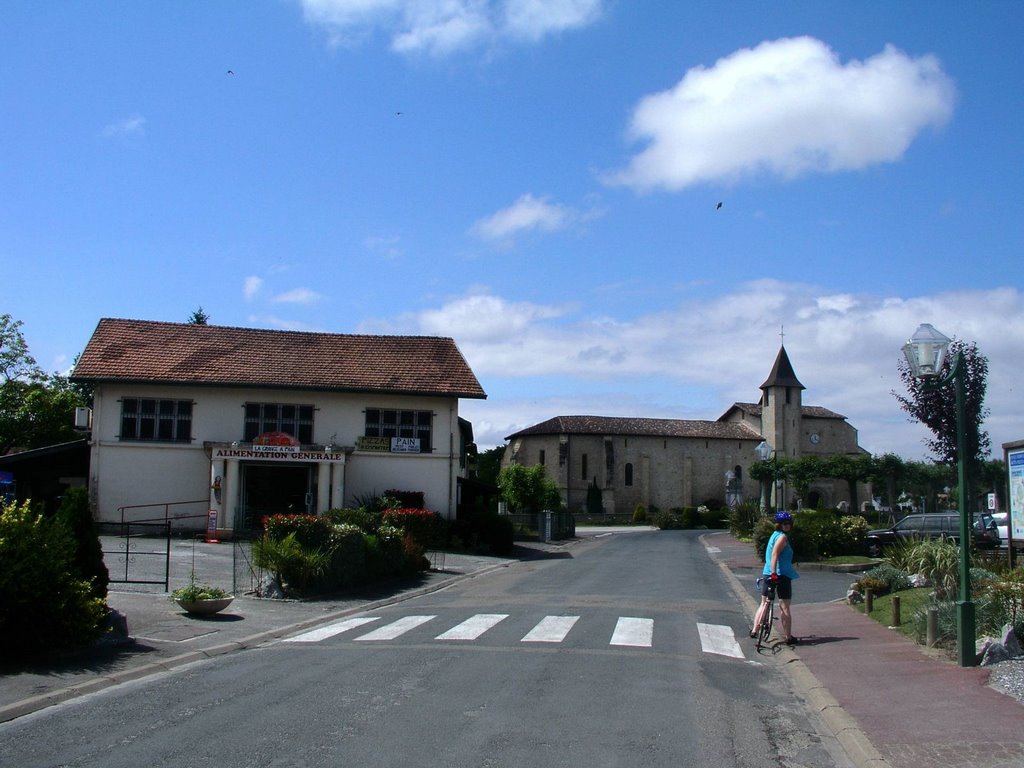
542	455
628	480
583	466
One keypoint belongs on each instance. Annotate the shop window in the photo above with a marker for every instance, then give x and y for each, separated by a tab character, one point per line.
387	422
168	421
294	420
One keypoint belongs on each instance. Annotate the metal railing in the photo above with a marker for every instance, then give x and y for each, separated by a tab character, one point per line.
166	506
543	526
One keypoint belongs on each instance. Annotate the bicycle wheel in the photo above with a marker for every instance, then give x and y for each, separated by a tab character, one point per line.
764	629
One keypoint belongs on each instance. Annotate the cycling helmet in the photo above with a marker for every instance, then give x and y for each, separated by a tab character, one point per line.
783	517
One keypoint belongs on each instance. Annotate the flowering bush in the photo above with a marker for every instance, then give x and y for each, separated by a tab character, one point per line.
421	525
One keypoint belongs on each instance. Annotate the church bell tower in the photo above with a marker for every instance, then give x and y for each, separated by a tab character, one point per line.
781	400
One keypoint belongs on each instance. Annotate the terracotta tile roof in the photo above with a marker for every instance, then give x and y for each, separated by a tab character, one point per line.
807	411
615	425
183	353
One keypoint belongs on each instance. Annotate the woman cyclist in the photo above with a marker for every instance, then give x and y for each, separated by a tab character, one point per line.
778	570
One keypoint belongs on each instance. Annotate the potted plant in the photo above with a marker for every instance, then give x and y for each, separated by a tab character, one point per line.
201	599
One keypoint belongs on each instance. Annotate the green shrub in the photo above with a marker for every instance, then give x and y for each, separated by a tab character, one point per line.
75	513
713	517
46	606
367	520
876	585
385	555
640	514
742	518
348	558
935	559
805	548
296	567
688	517
426	528
667	521
311	531
894	579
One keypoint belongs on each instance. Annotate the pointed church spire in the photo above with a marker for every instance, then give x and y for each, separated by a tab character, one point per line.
782	374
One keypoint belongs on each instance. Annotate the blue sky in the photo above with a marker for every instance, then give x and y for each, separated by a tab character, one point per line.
538	179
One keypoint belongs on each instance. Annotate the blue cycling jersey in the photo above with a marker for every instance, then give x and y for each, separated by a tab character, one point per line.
785	558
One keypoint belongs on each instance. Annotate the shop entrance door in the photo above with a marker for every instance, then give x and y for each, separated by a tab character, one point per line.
271	489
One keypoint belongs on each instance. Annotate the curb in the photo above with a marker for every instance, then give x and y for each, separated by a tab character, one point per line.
840	723
101	682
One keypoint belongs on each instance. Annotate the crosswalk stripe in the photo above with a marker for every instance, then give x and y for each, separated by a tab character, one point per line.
551	629
637	633
316	635
629	631
395	628
472	627
717	638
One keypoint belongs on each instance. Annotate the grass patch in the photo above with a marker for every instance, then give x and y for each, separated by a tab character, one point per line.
910	601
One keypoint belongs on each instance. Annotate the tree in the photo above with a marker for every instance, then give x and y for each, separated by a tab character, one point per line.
852	469
36	410
890	470
199	318
488	465
935	407
16	364
801	473
528	489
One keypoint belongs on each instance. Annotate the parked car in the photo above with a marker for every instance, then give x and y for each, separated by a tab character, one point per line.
1003	526
933	525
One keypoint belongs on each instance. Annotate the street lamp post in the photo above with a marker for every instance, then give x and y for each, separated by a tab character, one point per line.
764	452
925	352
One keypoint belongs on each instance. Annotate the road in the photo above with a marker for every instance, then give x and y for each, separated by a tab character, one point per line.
629	650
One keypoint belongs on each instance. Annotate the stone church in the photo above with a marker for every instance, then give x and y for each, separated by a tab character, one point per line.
673	463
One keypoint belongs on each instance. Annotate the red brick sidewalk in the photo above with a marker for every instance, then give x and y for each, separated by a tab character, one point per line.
917	708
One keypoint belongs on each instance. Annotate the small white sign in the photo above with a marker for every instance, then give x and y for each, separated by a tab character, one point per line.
405	445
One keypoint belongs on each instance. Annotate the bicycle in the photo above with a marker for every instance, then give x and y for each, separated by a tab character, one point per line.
764	629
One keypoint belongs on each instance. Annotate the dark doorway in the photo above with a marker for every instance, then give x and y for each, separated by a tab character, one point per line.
271	489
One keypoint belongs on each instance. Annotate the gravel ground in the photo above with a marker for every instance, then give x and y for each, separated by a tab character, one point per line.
1008	677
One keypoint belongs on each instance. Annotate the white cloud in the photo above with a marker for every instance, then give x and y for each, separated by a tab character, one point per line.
527	214
485	318
441	27
535	19
786	107
130	126
385	246
694	361
298	296
251	287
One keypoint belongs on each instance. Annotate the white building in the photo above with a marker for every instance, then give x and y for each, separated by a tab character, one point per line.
190	420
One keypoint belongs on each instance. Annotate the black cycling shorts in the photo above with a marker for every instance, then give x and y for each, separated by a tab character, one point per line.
783	587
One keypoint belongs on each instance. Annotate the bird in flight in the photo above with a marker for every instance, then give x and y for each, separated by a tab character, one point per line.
230	72
718	206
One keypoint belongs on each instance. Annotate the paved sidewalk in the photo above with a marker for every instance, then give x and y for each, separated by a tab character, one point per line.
889	701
